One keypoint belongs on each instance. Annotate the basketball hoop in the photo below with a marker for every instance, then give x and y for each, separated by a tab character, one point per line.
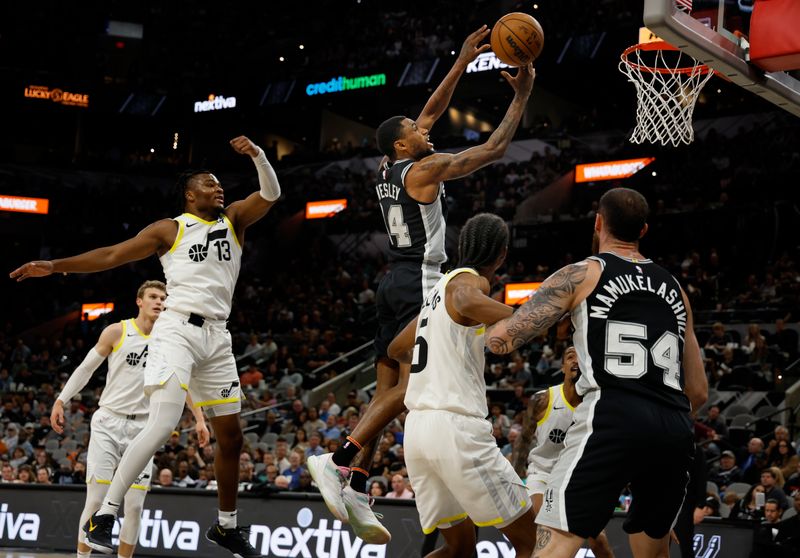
668	83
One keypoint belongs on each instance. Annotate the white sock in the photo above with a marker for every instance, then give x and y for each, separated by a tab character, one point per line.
84	554
108	508
227	519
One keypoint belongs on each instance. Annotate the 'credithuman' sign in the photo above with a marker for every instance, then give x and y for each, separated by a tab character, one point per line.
341	83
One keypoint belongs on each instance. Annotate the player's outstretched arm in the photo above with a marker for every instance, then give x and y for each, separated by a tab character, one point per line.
554	298
440	99
244	213
157	236
533	414
401	348
83	373
428	172
695	382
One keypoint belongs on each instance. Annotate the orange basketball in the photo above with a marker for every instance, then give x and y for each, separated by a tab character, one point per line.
517	39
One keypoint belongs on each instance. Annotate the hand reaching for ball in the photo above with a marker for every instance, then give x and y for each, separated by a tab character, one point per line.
470	49
523	81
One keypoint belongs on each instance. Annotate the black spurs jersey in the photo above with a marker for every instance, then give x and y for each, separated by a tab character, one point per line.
629	332
416	230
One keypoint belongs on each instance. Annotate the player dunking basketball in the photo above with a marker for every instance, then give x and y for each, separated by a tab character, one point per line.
639	360
190	347
544	425
122	412
411	197
460	477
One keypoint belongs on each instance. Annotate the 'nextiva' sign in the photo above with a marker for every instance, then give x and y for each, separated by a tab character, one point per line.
215	102
341	83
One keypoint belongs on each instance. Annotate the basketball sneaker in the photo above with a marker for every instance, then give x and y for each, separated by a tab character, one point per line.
331	480
236	540
363	520
98	532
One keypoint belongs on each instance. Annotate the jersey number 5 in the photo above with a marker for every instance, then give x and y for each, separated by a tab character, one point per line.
627	358
420	359
398	229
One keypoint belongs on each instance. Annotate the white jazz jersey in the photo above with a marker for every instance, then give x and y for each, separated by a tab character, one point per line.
124	391
202	266
448	363
550	434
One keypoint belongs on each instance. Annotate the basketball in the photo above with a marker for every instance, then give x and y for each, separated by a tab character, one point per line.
517	39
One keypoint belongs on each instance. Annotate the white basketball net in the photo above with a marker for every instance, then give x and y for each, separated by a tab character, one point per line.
665	98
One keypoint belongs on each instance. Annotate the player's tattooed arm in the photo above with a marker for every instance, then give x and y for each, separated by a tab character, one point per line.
546	307
424	177
533	414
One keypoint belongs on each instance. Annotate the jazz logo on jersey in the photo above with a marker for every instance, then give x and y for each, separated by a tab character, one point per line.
133	358
548	500
199	252
557	435
226	392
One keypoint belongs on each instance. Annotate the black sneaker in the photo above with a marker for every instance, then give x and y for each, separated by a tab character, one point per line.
98	532
236	540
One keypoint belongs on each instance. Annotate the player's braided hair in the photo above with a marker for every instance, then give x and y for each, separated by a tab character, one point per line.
482	240
182	184
387	133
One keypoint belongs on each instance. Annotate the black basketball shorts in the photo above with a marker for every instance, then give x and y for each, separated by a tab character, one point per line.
617	439
399	299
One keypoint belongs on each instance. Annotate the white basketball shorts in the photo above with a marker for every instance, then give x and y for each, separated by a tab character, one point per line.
200	356
110	436
457	470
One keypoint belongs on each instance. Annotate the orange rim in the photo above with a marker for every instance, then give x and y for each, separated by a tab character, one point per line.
660	45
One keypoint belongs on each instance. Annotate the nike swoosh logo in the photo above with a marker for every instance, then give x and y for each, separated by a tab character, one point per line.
131	334
190	225
91	526
557	408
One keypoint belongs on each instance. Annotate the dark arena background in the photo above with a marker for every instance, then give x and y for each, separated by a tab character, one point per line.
104	104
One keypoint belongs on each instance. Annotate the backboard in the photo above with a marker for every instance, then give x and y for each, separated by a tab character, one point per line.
710	34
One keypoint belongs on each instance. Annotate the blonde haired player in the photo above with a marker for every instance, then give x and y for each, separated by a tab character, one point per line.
190	350
545	423
122	412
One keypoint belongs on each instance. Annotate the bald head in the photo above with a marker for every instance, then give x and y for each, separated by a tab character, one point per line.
624	212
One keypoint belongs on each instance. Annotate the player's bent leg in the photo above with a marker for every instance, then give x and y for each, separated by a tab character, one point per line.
330	472
129	534
166	408
95	493
459	541
522	534
600	546
554	543
388	402
643	546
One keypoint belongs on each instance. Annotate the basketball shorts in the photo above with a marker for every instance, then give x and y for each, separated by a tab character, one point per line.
110	436
620	439
536	483
457	470
200	356
399	299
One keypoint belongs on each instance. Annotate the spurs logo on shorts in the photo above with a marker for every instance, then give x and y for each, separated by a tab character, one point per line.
226	392
548	499
557	435
134	358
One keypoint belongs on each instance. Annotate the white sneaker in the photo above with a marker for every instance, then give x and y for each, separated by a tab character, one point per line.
363	520
330	479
